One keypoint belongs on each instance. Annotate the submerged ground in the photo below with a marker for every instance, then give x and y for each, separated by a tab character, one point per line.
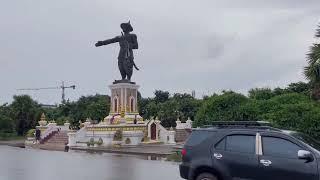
32	164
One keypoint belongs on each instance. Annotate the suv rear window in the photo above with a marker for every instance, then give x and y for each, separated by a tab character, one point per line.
237	143
197	137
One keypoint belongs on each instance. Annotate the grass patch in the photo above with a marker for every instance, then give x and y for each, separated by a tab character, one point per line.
10	136
175	157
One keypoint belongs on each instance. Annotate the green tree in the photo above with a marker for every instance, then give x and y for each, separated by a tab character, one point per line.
168	109
187	106
25	112
299	87
151	110
143	107
312	70
279	91
95	107
291	98
168	113
161	96
61	120
225	107
294	111
99	108
261	93
6	122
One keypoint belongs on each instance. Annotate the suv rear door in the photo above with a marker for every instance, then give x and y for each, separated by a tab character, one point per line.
279	159
236	154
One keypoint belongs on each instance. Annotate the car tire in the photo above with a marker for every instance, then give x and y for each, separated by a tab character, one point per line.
206	176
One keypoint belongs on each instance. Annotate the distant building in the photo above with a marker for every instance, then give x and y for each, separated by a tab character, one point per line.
193	93
48	106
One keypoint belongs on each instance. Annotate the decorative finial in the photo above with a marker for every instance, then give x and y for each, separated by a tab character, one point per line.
43	117
43	121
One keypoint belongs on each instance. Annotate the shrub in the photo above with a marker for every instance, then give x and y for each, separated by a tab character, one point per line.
90	142
128	141
292	111
31	132
225	107
9	135
118	135
176	157
100	142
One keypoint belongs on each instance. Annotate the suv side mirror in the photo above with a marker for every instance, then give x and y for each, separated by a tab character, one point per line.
306	155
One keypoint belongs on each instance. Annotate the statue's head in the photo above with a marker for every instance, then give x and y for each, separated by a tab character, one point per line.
126	27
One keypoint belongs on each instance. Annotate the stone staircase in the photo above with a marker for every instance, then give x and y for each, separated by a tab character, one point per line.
182	134
60	137
57	141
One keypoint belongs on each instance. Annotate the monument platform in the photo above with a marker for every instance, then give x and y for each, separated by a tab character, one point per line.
124	106
123	126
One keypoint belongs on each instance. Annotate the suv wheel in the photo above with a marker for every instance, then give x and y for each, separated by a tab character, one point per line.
206	176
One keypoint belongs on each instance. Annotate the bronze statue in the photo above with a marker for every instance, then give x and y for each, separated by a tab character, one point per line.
127	42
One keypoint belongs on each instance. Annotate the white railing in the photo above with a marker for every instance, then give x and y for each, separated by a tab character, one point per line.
166	136
48	131
81	134
164	133
64	128
186	125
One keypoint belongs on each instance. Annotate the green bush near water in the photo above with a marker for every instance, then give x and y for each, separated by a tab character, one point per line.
5	136
175	157
31	133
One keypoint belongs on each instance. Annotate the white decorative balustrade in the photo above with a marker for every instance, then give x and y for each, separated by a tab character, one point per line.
166	136
48	131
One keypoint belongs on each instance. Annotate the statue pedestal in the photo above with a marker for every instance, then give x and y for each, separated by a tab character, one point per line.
123	117
124	108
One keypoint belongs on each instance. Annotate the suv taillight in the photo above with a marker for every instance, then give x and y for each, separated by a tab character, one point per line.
184	152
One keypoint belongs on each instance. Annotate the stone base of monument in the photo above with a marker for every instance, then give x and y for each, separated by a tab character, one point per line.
124	119
132	138
124	107
128	118
132	134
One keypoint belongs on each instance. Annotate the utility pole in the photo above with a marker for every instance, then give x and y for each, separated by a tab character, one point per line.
63	91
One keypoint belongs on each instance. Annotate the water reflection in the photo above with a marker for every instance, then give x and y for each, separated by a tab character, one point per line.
143	157
30	164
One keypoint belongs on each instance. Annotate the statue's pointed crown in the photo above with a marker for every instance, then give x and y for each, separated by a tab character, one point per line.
126	26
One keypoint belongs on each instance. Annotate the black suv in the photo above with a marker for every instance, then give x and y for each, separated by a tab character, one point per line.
249	150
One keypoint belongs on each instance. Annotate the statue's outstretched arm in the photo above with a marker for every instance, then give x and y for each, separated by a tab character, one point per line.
108	41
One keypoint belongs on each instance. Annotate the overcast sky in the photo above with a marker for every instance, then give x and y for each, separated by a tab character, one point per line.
206	46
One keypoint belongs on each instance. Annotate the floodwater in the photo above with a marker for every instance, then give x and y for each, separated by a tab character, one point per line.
32	164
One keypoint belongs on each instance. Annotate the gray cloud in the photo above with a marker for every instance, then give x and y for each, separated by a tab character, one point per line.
184	45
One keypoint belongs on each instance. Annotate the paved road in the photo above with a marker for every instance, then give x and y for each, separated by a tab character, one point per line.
32	164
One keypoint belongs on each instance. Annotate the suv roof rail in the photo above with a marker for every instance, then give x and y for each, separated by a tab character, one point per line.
242	124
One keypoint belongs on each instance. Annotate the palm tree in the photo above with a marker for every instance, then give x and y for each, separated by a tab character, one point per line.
312	70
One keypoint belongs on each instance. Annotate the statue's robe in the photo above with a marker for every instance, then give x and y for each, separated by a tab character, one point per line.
127	43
